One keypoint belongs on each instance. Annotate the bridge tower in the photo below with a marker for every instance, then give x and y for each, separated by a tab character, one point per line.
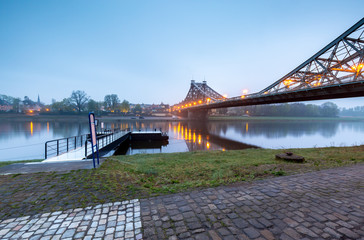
199	93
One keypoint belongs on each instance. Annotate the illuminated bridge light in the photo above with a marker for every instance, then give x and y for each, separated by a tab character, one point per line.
194	103
242	96
199	101
287	82
357	67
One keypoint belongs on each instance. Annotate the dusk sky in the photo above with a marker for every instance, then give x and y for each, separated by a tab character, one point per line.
148	51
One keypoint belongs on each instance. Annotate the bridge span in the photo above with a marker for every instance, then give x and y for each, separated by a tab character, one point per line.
336	71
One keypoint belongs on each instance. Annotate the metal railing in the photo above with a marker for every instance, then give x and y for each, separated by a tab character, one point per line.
105	139
57	147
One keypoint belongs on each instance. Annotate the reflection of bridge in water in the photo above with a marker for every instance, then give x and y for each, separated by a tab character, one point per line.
336	71
197	138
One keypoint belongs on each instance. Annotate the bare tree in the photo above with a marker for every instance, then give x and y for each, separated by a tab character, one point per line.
111	102
79	100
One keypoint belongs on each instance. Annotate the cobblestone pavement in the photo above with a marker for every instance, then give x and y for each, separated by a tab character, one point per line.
119	220
320	205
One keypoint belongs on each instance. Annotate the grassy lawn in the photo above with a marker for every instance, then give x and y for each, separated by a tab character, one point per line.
2	164
152	174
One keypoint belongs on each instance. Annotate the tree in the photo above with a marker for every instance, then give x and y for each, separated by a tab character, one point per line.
63	107
79	100
27	101
137	109
93	106
125	106
111	102
16	105
329	109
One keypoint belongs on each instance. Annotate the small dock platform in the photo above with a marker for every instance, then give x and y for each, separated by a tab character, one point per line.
148	136
79	147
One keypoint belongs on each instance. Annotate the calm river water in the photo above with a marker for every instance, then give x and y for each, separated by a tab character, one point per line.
20	140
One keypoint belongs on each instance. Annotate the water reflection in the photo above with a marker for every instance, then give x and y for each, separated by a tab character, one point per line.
25	139
198	137
279	129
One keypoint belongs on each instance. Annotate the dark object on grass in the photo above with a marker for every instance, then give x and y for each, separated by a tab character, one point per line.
291	157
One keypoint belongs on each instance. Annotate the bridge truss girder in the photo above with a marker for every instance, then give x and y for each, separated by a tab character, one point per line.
201	93
340	62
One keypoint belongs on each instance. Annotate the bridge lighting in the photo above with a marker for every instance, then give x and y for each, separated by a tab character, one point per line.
190	104
194	103
208	145
245	91
266	92
225	96
208	100
287	82
186	105
199	101
243	96
358	67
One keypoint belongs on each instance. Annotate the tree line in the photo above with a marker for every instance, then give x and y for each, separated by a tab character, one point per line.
353	112
79	102
327	109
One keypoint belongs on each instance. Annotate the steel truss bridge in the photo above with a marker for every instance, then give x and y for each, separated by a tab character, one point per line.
336	71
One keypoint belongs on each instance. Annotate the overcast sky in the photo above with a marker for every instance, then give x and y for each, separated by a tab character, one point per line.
148	51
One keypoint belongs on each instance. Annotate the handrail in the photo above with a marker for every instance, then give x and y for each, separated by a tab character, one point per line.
63	145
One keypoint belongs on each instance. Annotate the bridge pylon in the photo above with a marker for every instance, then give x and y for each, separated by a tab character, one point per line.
199	94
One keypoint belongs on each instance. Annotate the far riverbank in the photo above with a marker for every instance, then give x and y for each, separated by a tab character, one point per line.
84	117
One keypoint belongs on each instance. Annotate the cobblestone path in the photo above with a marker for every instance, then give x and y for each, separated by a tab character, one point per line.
119	220
320	205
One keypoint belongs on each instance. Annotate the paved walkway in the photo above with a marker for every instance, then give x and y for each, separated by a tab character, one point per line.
327	204
321	205
120	220
60	166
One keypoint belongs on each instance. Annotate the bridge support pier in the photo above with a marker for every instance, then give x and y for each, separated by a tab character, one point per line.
200	115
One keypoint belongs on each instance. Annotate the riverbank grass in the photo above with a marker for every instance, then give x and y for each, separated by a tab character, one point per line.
153	174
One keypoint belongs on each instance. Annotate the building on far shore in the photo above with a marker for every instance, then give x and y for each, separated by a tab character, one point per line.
159	110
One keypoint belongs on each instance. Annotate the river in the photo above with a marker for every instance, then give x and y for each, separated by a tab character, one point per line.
25	139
